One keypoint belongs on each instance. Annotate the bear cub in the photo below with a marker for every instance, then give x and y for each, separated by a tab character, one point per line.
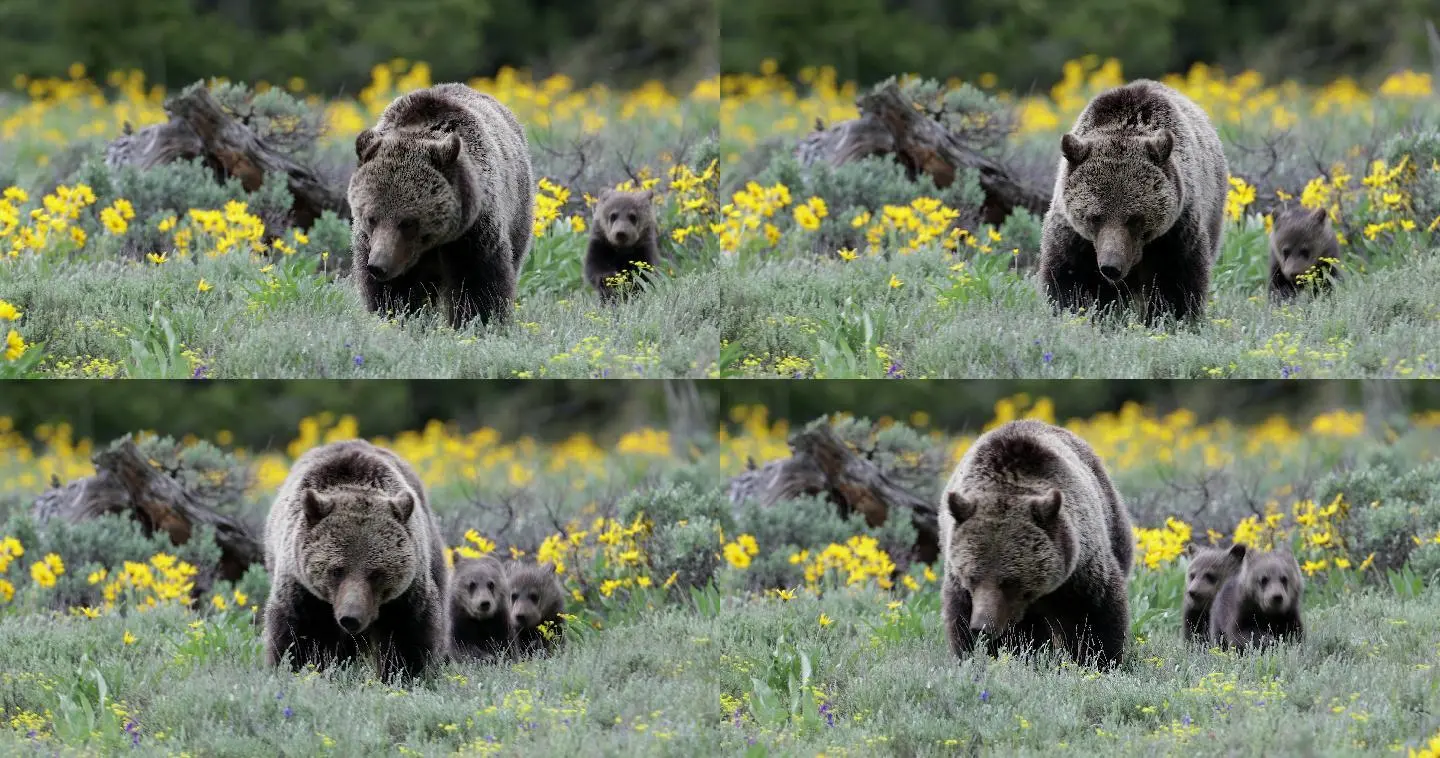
1208	570
1259	605
1138	207
536	599
1037	547
357	566
623	235
1300	241
479	609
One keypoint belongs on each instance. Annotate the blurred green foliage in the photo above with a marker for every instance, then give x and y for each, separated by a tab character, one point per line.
333	45
1025	43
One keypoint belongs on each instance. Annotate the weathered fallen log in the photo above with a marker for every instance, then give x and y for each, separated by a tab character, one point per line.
125	482
821	463
199	127
889	124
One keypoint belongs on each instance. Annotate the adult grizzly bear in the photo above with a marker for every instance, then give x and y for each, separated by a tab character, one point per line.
1139	205
443	205
624	235
1302	241
1037	546
1260	604
356	563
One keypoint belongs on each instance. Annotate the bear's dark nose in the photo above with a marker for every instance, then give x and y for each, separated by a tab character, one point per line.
350	624
375	271
1111	273
622	237
485	605
522	620
1193	595
1277	600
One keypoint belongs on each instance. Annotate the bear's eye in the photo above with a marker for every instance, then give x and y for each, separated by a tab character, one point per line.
1284	582
474	585
1134	220
336	573
409	226
632	218
1209	577
614	217
1264	580
1285	252
1305	252
370	221
534	598
514	596
490	586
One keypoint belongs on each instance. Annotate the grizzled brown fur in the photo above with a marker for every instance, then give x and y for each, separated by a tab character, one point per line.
1037	546
1298	242
1139	203
443	205
1260	604
357	566
623	232
536	597
1209	568
479	608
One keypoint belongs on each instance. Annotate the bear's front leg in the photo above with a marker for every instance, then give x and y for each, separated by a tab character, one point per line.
409	635
303	625
955	608
479	281
1097	631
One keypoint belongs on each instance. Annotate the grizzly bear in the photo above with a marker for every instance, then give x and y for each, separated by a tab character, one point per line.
623	236
1209	568
356	563
1138	206
479	608
1260	604
442	202
1301	241
536	599
1037	546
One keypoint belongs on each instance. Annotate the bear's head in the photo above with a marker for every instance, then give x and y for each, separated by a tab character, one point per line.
357	550
1300	239
624	218
479	588
403	200
535	595
1209	568
1006	550
1272	580
1120	193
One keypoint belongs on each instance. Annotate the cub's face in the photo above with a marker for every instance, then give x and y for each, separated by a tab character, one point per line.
1120	195
624	217
1300	239
535	595
1002	552
1209	568
1272	581
358	554
401	200
480	588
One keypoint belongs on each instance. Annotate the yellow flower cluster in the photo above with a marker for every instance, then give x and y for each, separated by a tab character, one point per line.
857	561
739	552
53	222
606	557
908	228
10	549
163	580
14	345
694	197
476	547
1313	534
1160	547
45	571
751	210
550	200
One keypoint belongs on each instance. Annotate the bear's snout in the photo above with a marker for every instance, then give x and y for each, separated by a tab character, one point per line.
1115	253
524	620
485	606
1195	595
1277	601
354	606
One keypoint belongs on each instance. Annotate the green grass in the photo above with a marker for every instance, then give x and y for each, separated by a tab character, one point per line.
799	316
144	321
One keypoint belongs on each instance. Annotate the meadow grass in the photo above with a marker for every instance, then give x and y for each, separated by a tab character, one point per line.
858	271
162	274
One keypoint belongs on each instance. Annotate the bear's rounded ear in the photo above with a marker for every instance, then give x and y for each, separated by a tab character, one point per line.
1319	216
1074	149
1046	507
402	505
960	508
604	195
367	142
316	507
1159	147
446	151
1238	550
649	195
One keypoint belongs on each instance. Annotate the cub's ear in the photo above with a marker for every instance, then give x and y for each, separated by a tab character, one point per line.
649	195
402	505
1046	507
604	195
960	508
1319	216
316	507
1238	551
367	142
1159	147
445	152
1074	149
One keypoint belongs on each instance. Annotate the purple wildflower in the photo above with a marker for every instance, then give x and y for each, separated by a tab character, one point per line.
1047	357
288	712
828	713
1185	720
200	372
984	696
359	360
895	371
